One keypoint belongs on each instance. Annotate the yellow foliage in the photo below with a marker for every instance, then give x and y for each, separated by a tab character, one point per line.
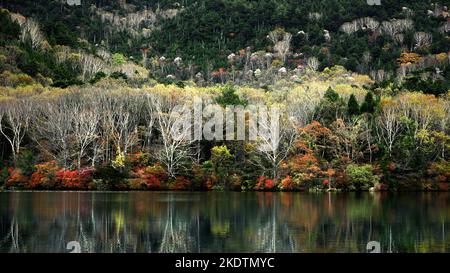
408	58
119	162
441	56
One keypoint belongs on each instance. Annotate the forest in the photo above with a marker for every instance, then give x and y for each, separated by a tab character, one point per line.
87	92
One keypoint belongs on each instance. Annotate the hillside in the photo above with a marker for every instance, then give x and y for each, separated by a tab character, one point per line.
228	40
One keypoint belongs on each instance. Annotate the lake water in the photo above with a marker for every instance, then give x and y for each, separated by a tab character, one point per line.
223	222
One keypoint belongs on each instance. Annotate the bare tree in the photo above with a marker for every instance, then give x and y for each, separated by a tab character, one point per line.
394	26
404	24
32	32
301	105
176	142
276	135
314	16
119	119
349	27
368	23
89	65
422	39
52	128
445	121
349	137
425	111
149	120
313	63
15	116
282	43
389	125
85	126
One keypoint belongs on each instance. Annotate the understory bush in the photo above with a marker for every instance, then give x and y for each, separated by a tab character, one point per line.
360	177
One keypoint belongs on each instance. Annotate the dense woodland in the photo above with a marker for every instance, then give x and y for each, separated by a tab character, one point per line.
86	94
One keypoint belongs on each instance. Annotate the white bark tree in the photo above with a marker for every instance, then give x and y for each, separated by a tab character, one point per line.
52	128
176	142
313	63
275	139
149	119
282	43
85	126
301	105
15	116
31	31
349	27
89	65
119	120
389	125
422	39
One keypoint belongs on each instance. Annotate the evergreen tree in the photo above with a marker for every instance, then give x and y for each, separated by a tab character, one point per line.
352	106
369	104
331	95
229	97
10	30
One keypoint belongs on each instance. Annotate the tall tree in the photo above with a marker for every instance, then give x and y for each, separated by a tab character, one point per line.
15	116
352	106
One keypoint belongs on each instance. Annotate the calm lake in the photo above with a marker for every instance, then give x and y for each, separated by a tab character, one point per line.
223	222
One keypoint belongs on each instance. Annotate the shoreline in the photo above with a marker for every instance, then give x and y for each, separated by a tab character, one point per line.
223	191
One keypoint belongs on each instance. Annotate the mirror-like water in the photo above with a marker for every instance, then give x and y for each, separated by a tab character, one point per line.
223	222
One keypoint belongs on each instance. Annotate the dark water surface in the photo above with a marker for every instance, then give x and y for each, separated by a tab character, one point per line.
223	222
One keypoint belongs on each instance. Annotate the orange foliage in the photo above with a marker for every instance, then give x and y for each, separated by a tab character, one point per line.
439	171
17	179
287	184
44	176
181	183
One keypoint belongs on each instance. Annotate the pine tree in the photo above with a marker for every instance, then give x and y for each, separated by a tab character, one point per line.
369	104
352	106
331	95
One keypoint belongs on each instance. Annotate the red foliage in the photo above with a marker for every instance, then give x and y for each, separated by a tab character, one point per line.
260	184
153	183
443	186
219	73
75	180
269	184
439	171
209	183
181	184
17	179
264	184
152	176
287	184
325	182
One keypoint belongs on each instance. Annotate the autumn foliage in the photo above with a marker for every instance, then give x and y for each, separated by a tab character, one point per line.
264	184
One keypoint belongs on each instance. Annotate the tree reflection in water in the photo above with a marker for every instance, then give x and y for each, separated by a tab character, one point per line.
223	222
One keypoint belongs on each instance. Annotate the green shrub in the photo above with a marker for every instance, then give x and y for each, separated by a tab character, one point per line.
25	162
228	96
114	178
4	174
361	177
222	162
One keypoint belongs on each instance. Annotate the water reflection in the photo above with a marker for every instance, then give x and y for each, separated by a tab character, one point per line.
223	222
